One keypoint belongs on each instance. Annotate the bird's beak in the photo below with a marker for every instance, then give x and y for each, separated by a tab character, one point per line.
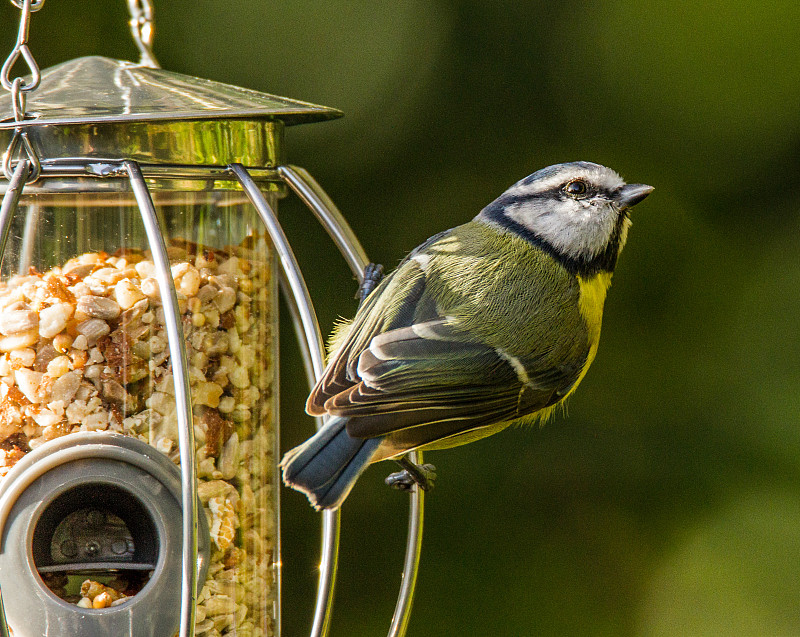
631	194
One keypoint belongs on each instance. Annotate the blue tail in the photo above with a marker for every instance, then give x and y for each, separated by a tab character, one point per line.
326	466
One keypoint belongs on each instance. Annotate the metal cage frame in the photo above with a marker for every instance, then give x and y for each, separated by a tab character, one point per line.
306	326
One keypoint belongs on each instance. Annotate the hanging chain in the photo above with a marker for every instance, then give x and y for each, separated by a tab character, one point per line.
19	88
141	23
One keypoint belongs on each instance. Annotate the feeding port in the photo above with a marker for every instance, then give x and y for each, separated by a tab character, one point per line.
91	537
95	556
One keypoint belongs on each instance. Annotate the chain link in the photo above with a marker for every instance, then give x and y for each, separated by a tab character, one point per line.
20	143
18	99
141	24
21	48
20	139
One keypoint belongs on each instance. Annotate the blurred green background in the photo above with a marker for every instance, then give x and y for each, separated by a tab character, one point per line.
667	502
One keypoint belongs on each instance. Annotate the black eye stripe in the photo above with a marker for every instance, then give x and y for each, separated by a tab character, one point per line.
555	192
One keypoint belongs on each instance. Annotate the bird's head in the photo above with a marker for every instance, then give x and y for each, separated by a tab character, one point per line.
577	211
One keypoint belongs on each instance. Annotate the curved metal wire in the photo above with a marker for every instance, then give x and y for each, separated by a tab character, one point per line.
11	201
405	599
326	212
302	306
8	209
180	375
289	265
331	520
312	194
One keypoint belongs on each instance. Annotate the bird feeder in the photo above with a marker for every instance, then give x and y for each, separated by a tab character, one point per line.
141	265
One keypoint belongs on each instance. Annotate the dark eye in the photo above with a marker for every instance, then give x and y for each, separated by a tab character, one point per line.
577	188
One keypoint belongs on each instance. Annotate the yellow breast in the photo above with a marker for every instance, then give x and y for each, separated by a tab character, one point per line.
593	295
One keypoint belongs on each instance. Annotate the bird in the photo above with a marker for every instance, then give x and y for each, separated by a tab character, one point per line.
490	323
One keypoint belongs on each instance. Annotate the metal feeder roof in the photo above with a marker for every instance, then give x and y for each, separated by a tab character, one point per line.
92	90
105	109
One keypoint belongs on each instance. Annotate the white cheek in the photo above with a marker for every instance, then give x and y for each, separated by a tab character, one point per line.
581	220
586	232
521	215
576	228
584	213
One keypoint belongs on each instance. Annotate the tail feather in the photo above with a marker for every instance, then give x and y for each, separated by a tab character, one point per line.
326	466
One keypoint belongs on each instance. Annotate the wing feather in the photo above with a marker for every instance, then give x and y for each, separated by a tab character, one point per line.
405	285
407	372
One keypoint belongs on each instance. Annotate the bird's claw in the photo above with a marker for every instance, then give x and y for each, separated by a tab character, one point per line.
373	274
423	475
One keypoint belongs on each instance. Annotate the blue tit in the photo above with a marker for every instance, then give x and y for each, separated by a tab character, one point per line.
482	325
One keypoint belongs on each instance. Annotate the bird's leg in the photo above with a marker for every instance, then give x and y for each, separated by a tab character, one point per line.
373	274
412	474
